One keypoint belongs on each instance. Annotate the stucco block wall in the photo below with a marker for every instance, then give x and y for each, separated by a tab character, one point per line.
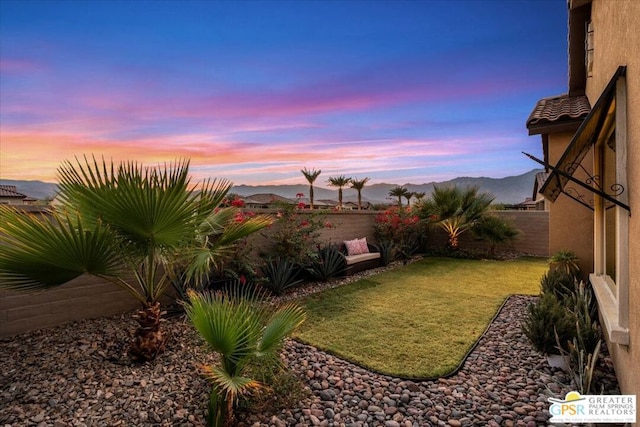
532	240
616	43
570	223
84	297
90	297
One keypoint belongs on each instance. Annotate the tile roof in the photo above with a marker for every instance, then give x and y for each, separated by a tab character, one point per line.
10	191
556	108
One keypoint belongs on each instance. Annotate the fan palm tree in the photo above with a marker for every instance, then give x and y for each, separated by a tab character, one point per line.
310	176
455	210
495	231
135	226
408	195
358	185
240	329
339	181
399	192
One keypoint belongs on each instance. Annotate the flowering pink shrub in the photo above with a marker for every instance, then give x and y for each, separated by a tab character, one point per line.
400	227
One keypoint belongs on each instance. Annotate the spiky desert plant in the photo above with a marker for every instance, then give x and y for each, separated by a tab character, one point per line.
131	225
241	329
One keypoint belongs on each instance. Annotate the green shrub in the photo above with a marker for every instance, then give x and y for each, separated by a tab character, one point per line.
558	283
547	319
328	264
281	274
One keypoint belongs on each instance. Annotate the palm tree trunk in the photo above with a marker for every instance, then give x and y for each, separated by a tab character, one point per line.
149	340
340	198
311	197
359	201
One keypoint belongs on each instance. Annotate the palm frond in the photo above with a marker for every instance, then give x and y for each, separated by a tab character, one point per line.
43	252
231	385
280	325
227	324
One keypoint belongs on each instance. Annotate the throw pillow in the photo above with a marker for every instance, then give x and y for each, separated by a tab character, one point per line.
357	246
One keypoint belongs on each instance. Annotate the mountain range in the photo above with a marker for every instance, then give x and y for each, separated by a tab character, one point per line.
511	189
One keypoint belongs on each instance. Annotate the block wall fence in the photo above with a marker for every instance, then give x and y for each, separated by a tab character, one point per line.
90	297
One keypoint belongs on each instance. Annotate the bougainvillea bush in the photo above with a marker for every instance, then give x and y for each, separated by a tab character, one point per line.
401	228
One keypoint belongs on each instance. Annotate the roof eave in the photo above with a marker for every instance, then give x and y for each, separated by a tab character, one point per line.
554	127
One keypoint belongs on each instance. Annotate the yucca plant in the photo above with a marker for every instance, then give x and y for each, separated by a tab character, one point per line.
132	225
241	329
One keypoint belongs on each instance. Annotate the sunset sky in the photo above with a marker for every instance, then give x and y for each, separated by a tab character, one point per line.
401	92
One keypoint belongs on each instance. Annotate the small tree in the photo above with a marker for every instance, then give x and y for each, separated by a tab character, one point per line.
339	181
358	185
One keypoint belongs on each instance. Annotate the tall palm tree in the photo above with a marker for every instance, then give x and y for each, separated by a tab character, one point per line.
339	181
310	176
241	330
137	227
455	210
399	192
358	185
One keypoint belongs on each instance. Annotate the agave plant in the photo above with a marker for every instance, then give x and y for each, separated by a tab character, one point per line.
241	329
329	263
132	225
281	274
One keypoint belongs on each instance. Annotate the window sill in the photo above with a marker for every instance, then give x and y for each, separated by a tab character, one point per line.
609	310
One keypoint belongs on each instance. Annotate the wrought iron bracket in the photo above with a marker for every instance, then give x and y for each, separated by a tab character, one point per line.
594	188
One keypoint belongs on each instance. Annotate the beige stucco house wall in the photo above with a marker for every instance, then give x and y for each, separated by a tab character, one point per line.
616	42
570	224
604	80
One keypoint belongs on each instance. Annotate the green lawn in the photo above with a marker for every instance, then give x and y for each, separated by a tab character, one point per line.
416	321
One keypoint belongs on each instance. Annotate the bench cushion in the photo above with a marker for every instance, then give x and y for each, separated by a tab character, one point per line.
354	259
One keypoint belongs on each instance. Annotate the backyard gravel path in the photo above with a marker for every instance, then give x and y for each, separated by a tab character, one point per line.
74	375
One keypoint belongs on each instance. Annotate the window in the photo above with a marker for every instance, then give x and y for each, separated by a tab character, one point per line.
611	252
588	49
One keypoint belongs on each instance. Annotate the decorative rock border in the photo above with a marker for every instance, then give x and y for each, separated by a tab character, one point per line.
68	376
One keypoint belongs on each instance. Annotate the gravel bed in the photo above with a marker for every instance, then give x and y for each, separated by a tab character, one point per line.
77	375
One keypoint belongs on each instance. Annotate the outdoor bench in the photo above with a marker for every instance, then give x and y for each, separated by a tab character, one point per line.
361	262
